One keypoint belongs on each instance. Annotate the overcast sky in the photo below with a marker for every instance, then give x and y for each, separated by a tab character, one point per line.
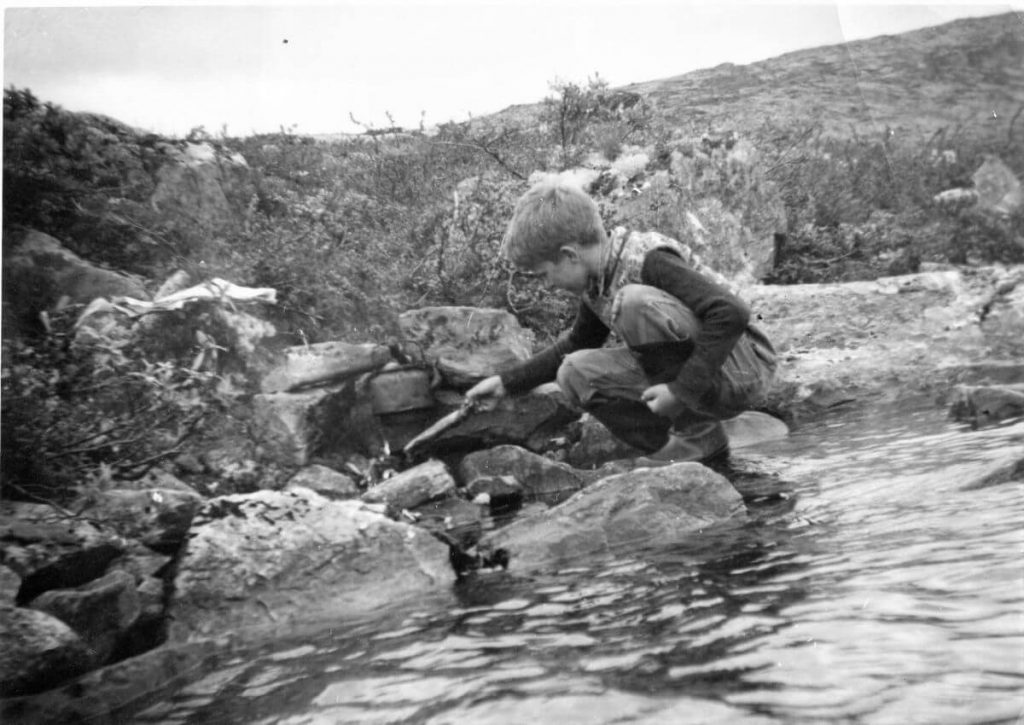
307	68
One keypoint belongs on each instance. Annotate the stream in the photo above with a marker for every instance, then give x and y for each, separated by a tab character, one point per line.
887	586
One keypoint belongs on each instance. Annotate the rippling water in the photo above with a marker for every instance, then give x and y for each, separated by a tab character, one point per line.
887	587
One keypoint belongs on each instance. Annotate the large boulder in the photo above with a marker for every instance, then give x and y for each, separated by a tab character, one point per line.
619	514
527	420
466	343
273	558
204	186
291	428
39	273
37	651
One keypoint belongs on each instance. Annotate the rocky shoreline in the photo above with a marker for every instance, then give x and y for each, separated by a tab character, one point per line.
124	592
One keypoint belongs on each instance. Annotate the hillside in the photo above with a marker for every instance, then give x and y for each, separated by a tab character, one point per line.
967	73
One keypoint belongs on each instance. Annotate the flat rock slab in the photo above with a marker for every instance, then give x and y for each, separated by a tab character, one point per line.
413	487
259	561
621	513
467	343
895	335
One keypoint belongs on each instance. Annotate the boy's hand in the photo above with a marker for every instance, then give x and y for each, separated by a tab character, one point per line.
491	387
662	401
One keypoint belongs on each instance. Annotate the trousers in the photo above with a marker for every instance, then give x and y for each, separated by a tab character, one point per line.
659	333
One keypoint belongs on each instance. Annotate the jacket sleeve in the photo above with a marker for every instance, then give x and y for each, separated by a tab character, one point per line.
723	319
587	331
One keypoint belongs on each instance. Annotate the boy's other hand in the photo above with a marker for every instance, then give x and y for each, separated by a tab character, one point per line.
491	388
662	401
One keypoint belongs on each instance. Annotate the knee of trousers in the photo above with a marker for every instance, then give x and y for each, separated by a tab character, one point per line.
573	380
648	314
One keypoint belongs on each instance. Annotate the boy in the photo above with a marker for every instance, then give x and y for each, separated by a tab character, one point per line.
690	359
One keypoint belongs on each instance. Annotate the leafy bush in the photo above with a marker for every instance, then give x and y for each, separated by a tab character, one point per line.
80	412
86	180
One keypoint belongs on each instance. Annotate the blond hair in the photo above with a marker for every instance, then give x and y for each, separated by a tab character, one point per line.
552	213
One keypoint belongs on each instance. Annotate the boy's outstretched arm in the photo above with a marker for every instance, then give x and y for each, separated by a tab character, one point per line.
587	331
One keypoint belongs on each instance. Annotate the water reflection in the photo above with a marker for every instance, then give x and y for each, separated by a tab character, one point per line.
881	591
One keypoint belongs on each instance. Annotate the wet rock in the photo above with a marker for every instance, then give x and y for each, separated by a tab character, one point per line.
413	487
619	514
752	427
39	272
99	612
274	559
756	476
37	651
325	481
983	404
50	551
159	518
323	363
113	693
537	477
466	343
454	521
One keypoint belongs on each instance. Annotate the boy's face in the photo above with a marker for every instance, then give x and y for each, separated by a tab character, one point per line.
568	273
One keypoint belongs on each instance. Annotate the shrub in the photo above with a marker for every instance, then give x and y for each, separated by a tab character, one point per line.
85	412
85	180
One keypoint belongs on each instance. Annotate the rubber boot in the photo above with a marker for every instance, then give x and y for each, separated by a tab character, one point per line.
632	422
704	442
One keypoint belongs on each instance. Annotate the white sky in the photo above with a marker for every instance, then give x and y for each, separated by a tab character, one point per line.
259	68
